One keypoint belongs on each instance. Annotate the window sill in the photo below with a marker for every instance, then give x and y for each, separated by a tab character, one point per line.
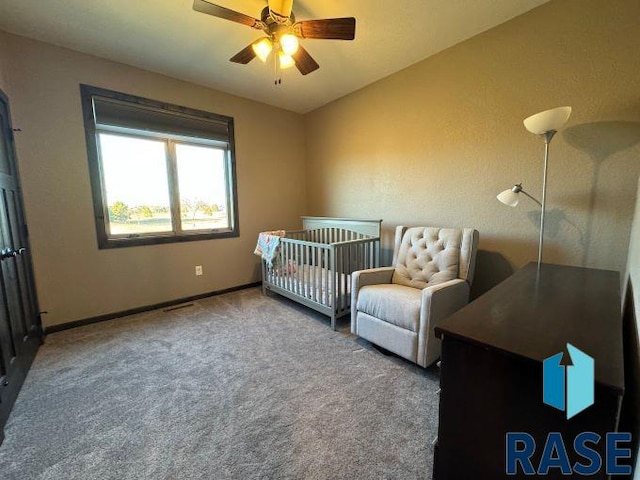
123	242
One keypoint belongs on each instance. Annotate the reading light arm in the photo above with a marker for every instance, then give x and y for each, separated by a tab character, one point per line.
518	189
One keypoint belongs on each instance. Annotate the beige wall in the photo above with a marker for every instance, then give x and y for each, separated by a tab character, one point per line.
633	273
75	279
633	263
3	63
435	143
432	144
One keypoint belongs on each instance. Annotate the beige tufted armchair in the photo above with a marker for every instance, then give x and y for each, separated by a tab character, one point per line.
398	307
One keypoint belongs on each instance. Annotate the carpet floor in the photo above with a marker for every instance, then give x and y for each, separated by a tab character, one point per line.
238	386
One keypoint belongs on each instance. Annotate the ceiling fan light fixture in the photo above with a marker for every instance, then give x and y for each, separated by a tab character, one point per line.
283	33
289	44
286	61
262	48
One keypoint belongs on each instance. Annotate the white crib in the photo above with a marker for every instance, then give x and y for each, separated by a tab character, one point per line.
316	262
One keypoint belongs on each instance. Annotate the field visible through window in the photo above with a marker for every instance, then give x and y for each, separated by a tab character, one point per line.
137	186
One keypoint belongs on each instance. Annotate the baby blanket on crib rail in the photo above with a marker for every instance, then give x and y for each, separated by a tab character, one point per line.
267	246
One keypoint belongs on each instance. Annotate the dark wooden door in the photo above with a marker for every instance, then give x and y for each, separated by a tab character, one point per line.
20	328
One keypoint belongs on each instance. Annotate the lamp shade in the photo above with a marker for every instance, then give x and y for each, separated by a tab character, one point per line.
262	48
546	121
286	61
509	197
289	44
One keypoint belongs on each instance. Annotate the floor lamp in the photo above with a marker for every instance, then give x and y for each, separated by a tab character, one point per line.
545	124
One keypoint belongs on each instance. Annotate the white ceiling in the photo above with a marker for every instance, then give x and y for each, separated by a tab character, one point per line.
169	37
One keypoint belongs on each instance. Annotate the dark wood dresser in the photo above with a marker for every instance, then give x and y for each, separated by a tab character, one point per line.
492	373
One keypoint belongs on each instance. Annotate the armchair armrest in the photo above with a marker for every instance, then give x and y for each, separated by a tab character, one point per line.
438	302
361	278
373	276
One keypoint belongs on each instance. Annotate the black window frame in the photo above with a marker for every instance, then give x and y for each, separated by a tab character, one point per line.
88	94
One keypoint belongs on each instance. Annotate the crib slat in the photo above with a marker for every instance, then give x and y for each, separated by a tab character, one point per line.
312	261
335	269
337	293
286	266
373	255
314	273
294	279
319	275
283	270
307	272
363	260
310	271
296	275
347	271
333	279
312	283
345	275
331	268
300	275
292	274
322	252
343	278
325	280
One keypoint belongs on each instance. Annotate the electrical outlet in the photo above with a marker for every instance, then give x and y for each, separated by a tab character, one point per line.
198	270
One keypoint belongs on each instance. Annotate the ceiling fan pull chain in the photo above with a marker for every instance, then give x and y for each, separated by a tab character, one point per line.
276	71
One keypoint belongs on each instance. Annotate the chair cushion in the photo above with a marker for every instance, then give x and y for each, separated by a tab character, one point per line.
427	256
395	304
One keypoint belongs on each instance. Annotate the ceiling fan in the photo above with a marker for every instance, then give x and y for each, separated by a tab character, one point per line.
282	31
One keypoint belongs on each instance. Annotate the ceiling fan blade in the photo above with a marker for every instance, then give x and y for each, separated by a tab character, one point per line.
305	62
329	28
221	12
244	56
281	8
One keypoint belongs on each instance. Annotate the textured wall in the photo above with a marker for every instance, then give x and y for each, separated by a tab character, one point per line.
3	63
434	144
75	280
633	263
632	355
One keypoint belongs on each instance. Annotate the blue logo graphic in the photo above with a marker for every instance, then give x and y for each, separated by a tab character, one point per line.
569	386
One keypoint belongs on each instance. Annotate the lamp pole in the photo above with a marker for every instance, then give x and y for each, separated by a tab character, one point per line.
547	140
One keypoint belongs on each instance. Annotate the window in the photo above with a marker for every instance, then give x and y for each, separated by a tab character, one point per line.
159	173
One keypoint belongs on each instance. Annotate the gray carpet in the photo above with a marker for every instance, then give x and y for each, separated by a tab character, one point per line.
238	386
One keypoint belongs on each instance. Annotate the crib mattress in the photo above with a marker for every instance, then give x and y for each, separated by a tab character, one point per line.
312	282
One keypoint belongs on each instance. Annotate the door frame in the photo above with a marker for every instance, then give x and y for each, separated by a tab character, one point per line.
34	335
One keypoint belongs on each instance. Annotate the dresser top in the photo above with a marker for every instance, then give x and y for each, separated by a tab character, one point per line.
533	315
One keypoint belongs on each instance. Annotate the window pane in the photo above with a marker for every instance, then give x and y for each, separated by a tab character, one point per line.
203	188
136	184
